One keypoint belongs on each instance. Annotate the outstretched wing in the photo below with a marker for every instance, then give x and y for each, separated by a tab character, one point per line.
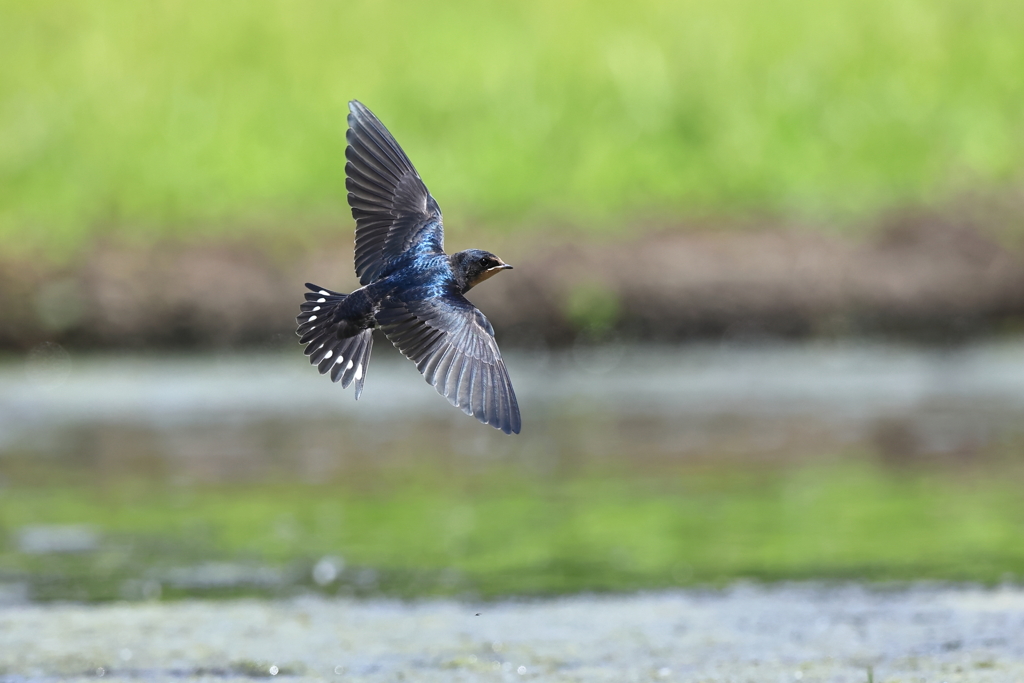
453	346
391	205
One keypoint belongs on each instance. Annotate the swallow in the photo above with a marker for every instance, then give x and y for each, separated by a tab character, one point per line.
411	289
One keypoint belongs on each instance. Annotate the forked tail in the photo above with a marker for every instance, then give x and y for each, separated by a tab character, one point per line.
346	358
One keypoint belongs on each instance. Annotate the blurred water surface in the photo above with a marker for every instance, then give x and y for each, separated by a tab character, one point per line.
254	415
141	477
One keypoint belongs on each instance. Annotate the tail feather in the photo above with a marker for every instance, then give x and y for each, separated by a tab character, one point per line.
345	358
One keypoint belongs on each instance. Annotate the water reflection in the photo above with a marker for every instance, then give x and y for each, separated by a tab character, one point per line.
155	478
264	416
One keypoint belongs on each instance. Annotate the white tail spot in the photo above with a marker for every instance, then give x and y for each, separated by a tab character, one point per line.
349	366
311	319
328	354
321	300
359	372
341	359
316	308
325	293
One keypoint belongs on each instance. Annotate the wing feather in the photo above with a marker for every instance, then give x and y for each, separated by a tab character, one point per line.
453	346
392	207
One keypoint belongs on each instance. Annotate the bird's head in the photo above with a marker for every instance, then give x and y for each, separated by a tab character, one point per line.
473	266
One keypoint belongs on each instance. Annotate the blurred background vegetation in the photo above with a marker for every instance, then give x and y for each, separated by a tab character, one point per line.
174	118
734	172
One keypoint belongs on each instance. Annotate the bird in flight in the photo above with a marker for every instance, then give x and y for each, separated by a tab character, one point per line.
411	289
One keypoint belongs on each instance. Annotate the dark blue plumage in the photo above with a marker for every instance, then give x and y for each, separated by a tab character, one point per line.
412	290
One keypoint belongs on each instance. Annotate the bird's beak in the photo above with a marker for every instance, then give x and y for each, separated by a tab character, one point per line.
491	272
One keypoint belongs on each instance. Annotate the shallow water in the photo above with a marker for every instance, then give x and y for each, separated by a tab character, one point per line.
797	632
629	472
252	415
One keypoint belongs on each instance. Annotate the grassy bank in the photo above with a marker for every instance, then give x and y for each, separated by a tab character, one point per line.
501	532
153	120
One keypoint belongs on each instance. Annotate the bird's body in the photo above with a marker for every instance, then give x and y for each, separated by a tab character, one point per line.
412	289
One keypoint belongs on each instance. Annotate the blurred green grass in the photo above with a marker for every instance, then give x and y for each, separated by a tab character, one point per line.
143	121
500	532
